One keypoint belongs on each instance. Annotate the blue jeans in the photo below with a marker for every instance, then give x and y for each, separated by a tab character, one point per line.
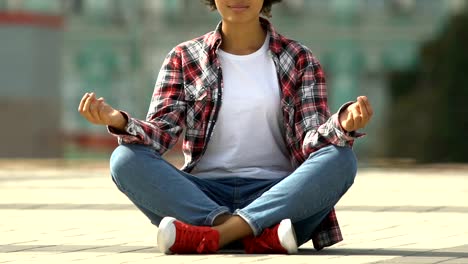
306	196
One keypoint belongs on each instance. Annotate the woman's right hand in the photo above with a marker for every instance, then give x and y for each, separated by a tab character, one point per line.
98	112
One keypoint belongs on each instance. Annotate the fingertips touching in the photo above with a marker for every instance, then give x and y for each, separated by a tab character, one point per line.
82	102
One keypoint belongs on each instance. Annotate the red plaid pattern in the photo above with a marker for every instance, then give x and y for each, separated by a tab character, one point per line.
188	95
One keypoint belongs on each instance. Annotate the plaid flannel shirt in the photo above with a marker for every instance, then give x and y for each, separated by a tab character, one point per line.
188	95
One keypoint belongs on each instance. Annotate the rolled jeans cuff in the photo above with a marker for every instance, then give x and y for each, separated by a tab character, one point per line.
256	228
214	214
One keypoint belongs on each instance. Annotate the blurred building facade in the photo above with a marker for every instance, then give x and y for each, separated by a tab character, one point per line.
116	47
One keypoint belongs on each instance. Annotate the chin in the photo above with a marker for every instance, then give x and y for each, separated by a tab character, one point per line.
234	19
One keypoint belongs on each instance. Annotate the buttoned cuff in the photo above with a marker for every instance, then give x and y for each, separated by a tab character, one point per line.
129	129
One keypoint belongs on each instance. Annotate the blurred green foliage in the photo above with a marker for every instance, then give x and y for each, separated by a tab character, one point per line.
429	113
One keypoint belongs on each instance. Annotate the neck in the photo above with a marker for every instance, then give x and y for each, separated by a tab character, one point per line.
242	39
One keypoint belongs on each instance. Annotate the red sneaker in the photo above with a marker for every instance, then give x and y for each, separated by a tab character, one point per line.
175	237
279	239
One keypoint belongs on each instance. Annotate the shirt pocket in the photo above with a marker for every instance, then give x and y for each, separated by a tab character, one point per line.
195	92
197	100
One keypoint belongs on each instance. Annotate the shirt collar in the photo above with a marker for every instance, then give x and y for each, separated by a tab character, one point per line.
275	40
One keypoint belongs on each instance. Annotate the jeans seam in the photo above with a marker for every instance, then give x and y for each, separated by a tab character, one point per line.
205	213
208	221
142	201
214	214
250	221
236	191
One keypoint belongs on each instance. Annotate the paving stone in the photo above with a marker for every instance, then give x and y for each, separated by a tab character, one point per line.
416	260
456	261
54	215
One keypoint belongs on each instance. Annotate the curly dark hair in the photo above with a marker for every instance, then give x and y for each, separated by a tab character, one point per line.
266	9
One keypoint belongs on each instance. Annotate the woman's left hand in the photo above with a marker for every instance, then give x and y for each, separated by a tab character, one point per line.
356	115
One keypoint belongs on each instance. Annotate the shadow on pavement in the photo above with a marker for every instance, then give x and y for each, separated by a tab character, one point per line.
456	252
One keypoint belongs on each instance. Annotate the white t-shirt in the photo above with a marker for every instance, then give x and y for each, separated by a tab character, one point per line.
247	141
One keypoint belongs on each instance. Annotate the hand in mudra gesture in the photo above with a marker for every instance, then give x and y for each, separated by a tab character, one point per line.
356	115
98	112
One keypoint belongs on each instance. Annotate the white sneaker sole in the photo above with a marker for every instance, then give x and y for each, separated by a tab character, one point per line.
287	236
166	235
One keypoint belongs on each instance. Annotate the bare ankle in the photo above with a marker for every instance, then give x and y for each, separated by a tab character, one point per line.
233	229
221	219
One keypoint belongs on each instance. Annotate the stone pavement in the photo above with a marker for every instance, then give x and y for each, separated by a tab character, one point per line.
69	213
